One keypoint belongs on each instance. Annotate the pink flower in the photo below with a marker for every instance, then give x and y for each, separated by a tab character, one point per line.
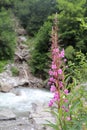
53	88
66	91
60	84
56	96
51	103
65	60
51	79
68	118
54	66
60	71
63	107
66	100
62	54
66	110
50	72
55	73
54	58
56	50
49	83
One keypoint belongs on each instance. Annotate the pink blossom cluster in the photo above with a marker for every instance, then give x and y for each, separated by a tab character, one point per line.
57	76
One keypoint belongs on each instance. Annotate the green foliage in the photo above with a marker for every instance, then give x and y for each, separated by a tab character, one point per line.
2	65
33	13
15	71
73	24
78	67
72	29
70	52
7	35
6	3
40	55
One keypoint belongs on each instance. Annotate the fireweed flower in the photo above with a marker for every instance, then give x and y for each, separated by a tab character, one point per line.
66	100
66	91
51	103
56	81
68	118
55	74
56	50
60	71
54	66
53	88
65	109
56	96
60	84
62	54
51	79
50	72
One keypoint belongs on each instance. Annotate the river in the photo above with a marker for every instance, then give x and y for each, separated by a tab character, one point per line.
23	102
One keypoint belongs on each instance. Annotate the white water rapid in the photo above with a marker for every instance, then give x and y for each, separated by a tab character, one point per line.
23	101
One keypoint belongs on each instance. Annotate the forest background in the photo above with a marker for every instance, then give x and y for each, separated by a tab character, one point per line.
36	17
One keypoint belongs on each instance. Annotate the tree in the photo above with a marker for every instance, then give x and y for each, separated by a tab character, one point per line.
6	3
33	13
71	17
7	35
40	55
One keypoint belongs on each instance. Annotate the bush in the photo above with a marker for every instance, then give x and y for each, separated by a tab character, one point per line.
2	65
77	68
70	52
15	71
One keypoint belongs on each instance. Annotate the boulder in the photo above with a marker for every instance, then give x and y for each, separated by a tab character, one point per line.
5	87
21	31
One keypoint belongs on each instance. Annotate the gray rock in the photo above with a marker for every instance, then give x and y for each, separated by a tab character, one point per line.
38	116
5	87
7	114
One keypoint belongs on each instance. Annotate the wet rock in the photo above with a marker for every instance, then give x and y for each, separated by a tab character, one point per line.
7	114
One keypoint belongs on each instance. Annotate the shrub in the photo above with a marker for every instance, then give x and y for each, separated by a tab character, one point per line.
15	71
2	65
70	52
77	68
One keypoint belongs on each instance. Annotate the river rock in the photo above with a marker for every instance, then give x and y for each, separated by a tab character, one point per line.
5	87
21	31
7	114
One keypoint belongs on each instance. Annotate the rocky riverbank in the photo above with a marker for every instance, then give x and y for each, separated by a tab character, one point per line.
32	119
22	123
26	110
